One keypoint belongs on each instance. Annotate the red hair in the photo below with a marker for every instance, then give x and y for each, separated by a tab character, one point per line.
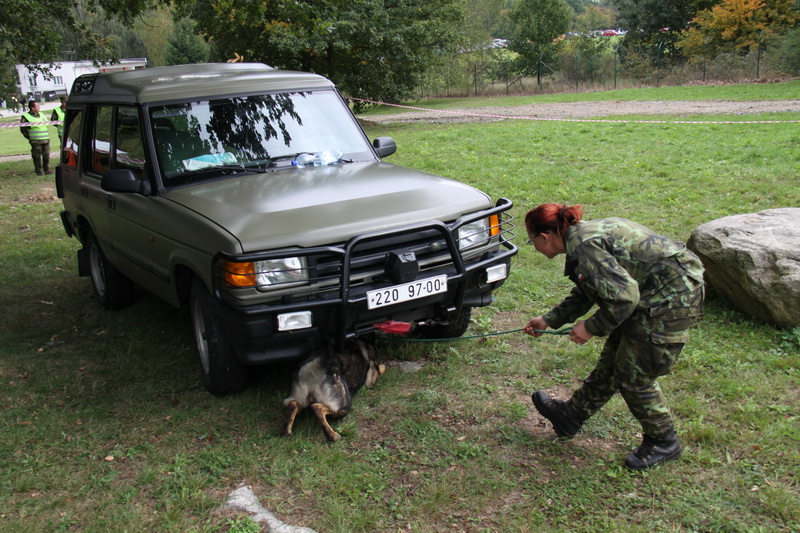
552	218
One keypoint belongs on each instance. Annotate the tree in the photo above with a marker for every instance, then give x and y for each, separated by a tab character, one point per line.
654	26
537	24
117	37
376	49
185	46
154	28
790	52
739	26
19	44
594	18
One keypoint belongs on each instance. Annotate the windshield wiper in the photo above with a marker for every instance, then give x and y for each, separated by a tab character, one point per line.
219	169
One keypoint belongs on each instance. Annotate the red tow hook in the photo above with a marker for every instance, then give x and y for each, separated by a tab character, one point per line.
393	327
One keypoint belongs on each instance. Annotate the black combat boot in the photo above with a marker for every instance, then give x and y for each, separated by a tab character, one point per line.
566	420
654	451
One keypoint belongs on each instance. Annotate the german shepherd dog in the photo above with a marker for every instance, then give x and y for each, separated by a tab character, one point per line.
327	381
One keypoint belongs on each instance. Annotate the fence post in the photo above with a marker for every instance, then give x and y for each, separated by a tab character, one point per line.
758	54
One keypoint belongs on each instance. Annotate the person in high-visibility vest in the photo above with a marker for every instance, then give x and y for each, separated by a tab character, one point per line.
38	136
58	116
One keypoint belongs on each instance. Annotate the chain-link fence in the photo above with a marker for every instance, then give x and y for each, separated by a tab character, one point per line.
488	74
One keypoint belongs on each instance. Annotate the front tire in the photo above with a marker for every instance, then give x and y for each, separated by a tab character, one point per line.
112	289
220	370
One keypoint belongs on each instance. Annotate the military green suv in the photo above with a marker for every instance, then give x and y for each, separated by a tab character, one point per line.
252	196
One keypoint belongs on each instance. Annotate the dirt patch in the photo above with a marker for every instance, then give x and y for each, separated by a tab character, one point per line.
45	194
23	157
591	110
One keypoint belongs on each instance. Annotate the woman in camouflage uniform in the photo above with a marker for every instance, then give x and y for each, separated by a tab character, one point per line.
648	290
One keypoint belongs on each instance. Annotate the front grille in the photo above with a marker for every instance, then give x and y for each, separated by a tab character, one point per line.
364	257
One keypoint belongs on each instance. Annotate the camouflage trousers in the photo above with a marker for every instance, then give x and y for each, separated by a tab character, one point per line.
40	153
640	350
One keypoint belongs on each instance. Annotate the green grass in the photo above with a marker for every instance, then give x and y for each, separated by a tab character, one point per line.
104	426
12	142
740	92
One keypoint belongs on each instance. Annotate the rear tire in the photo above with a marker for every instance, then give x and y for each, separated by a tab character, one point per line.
455	328
220	370
112	289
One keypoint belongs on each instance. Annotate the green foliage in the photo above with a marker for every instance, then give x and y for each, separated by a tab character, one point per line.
654	25
790	52
32	32
119	38
537	24
243	525
369	48
594	18
154	28
790	341
19	44
582	57
185	46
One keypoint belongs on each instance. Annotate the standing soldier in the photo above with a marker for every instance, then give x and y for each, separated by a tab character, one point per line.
649	291
58	116
38	136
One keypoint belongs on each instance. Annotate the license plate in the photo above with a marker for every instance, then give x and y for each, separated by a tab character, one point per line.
407	291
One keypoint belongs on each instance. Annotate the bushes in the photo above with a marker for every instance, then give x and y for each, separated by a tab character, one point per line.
789	53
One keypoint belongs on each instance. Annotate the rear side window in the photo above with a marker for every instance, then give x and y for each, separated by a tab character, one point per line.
101	141
128	152
69	155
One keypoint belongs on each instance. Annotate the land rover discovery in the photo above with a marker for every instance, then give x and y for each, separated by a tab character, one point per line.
252	196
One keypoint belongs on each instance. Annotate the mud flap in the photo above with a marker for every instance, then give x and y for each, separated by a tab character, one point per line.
83	263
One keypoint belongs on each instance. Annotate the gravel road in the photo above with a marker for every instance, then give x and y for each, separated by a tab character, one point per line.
608	109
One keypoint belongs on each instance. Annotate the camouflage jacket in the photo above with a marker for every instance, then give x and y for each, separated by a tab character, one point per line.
623	267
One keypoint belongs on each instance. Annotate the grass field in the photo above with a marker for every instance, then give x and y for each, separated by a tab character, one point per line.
105	427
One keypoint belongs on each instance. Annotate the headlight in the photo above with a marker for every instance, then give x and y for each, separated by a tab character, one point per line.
266	274
478	232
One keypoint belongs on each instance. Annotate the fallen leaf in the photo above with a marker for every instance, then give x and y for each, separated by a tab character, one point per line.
109	458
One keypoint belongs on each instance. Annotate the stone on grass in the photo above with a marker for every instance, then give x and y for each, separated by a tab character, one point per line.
753	260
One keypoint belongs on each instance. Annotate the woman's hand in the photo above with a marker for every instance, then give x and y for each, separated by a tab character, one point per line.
534	324
579	334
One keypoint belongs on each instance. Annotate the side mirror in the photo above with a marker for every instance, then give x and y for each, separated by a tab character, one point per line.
384	146
124	180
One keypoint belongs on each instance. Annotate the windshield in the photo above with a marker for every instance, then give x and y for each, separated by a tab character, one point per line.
199	140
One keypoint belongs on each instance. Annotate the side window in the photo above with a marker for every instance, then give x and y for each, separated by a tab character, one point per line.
101	140
129	152
69	155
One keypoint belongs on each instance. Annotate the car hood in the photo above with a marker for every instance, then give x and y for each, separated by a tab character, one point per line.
326	205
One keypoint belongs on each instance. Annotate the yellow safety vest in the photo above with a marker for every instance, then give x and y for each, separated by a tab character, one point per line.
37	132
60	127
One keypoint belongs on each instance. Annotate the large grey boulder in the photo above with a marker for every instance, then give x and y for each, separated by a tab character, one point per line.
754	261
